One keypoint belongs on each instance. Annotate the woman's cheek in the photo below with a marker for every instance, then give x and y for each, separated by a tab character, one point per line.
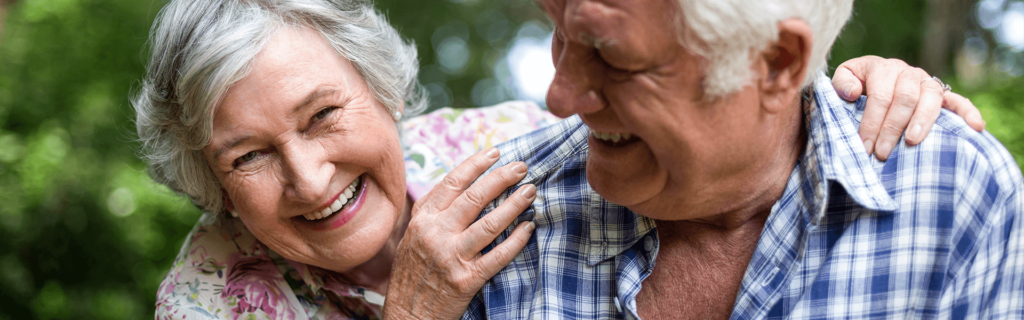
248	189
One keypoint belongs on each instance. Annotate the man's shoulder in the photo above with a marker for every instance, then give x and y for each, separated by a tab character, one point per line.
961	157
547	150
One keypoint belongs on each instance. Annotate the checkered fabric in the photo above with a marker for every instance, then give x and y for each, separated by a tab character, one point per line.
935	232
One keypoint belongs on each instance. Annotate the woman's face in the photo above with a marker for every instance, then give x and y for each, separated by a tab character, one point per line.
291	137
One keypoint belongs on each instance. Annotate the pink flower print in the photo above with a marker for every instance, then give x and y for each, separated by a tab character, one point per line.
253	280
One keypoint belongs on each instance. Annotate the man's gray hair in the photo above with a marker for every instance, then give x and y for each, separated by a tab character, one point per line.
201	47
731	33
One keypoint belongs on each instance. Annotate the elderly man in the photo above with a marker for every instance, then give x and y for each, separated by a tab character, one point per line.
743	191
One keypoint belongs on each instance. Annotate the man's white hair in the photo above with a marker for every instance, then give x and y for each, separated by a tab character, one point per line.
729	34
201	47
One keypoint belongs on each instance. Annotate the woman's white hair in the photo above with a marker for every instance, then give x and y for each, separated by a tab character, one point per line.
199	48
729	34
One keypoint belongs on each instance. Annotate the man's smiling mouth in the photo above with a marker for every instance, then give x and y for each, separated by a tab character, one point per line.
612	137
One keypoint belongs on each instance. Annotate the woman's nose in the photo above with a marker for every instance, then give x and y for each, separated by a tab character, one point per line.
576	87
308	174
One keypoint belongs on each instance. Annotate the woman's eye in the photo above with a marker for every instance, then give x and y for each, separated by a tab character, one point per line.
323	113
246	158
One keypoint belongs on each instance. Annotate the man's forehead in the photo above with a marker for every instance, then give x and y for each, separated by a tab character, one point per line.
552	7
558	10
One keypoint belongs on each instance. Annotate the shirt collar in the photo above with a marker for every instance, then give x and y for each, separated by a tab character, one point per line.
835	153
610	228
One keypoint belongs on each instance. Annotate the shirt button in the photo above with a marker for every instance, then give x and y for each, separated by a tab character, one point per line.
648	244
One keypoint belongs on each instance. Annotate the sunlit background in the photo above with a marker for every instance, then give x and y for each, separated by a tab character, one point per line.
85	234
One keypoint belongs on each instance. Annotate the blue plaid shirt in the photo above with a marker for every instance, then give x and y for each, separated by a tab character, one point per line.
935	232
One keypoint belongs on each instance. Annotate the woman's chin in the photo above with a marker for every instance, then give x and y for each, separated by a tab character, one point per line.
355	234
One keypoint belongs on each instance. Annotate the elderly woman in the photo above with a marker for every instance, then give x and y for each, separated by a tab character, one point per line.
278	119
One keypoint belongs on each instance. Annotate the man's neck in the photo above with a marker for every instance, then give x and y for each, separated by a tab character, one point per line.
753	195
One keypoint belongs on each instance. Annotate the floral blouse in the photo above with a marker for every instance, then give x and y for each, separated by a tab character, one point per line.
223	272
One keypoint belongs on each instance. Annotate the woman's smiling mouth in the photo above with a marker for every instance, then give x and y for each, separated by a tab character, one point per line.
340	202
349	202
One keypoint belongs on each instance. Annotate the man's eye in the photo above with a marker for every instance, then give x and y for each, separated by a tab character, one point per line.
246	158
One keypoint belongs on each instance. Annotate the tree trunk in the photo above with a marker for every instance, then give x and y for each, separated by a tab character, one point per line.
3	11
944	28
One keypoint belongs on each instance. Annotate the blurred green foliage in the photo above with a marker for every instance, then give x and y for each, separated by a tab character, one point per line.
86	234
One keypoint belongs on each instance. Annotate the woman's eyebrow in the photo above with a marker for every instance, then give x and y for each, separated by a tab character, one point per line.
313	97
231	144
306	102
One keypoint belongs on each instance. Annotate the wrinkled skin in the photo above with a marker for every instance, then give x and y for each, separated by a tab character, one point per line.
439	267
708	170
617	68
292	135
300	127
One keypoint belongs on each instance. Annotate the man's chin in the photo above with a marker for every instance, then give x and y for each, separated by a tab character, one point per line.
625	185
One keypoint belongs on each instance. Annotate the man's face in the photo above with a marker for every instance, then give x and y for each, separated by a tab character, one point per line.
658	147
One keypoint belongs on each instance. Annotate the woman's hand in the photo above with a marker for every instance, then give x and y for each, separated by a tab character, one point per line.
439	267
898	96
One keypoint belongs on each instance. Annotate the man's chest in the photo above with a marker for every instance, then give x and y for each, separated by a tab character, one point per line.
691	281
690	288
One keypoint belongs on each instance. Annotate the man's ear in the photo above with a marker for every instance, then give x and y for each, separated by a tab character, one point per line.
783	65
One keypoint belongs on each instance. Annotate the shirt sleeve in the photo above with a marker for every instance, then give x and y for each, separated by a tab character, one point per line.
476	309
991	284
222	272
435	143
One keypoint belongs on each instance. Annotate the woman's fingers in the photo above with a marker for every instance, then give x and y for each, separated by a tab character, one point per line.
483	231
456	181
904	102
484	191
963	107
879	81
928	106
845	79
503	253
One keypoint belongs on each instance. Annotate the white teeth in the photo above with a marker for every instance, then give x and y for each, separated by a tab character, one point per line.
336	205
612	137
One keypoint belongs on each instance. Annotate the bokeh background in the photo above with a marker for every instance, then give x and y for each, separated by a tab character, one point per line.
85	234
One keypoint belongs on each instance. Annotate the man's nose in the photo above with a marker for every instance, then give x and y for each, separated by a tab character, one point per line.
308	174
576	87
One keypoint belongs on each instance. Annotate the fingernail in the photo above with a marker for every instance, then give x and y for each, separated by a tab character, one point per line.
530	226
492	153
847	90
519	168
978	119
914	132
884	148
529	191
868	145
